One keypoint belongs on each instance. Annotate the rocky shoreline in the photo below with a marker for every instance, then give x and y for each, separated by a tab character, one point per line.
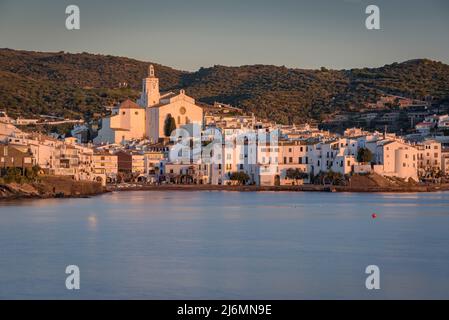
50	187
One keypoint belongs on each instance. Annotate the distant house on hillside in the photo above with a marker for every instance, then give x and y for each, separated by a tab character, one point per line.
4	117
6	127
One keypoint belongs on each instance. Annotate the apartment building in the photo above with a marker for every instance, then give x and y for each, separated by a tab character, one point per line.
154	162
292	156
16	156
396	159
180	173
445	161
131	162
267	160
107	164
429	157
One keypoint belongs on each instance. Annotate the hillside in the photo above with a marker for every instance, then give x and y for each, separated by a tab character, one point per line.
70	84
77	85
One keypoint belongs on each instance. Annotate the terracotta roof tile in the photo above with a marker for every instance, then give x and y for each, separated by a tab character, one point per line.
128	104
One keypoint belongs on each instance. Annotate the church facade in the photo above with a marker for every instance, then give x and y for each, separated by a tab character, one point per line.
146	119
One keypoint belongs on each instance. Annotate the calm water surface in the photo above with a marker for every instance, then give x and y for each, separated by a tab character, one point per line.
226	245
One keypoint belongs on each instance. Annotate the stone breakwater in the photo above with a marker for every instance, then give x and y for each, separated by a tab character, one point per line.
50	187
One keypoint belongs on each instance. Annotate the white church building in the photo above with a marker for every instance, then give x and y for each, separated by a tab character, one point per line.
146	118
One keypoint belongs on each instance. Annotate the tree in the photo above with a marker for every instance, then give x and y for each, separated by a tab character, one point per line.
364	155
331	177
32	173
241	177
169	125
296	174
13	175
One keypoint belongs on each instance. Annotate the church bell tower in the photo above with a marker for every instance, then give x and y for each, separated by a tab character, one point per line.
150	89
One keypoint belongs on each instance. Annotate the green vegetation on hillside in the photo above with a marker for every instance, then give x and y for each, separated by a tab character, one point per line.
79	85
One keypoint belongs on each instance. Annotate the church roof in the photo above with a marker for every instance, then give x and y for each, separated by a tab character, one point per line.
128	104
166	99
168	95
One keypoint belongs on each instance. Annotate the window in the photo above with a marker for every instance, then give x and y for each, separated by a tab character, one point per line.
290	160
124	112
285	159
300	160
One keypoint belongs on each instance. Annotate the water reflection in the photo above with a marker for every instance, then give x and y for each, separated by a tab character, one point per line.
189	245
92	222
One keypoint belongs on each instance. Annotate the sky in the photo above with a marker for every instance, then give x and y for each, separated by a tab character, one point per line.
189	34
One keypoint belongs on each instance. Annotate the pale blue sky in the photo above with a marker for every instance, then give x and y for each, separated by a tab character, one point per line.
188	34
